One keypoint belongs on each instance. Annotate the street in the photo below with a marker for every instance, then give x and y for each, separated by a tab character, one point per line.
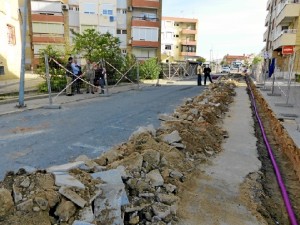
41	138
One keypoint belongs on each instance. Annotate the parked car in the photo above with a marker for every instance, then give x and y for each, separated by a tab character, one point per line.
225	69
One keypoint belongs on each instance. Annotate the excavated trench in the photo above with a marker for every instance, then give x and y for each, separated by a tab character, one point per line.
272	206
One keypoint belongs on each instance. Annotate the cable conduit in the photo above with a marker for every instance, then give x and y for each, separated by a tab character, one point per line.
280	182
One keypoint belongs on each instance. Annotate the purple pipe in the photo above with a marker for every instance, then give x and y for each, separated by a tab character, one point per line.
280	182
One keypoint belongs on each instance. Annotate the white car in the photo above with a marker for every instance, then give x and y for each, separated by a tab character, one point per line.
225	69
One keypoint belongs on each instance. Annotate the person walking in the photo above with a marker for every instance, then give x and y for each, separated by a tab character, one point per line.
102	79
69	77
75	70
199	73
90	76
207	72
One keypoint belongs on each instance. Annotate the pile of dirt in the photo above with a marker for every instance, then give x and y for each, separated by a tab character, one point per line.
154	166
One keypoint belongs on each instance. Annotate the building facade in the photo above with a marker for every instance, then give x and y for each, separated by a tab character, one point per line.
10	48
179	39
282	32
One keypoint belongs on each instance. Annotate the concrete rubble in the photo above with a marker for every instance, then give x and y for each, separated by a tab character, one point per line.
134	183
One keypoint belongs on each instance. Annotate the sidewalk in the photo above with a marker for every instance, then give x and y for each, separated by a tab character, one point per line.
285	105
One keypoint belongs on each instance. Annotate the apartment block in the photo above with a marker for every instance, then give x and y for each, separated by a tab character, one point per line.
282	33
144	28
179	39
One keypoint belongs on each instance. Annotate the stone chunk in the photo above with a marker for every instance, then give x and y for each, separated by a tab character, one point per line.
6	202
73	196
64	167
155	177
176	174
149	129
25	206
172	137
161	210
63	179
42	203
25	183
17	194
166	117
65	211
168	199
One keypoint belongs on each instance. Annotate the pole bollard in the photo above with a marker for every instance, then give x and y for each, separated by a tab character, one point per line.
50	106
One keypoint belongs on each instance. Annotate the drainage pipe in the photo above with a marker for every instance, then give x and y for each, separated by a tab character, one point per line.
280	182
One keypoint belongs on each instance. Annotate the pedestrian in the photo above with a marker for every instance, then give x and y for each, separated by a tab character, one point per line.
199	73
102	79
89	76
69	77
207	72
76	73
98	73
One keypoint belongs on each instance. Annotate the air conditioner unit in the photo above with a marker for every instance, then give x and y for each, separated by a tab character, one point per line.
129	8
64	7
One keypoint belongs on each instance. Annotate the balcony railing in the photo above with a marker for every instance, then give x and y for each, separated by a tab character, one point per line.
286	31
281	5
144	18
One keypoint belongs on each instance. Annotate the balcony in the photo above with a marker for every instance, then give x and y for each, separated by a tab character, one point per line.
188	42
287	11
188	31
269	4
145	22
266	35
267	20
154	4
145	44
47	18
188	53
285	37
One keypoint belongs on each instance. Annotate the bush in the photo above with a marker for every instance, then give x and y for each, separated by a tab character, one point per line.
150	69
58	83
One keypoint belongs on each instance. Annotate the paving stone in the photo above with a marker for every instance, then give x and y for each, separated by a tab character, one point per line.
73	196
64	179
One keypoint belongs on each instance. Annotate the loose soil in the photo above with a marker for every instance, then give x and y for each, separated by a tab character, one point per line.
199	125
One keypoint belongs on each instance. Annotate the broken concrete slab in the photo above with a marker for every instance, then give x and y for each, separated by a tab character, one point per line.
77	222
172	137
64	179
72	196
148	129
65	167
107	207
86	214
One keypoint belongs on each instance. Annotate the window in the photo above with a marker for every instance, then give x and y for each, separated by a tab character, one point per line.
119	31
89	8
124	51
168	47
107	12
11	34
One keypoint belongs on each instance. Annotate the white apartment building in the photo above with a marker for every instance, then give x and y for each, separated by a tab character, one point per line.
178	39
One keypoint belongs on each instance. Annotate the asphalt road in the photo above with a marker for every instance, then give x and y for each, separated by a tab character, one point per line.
43	137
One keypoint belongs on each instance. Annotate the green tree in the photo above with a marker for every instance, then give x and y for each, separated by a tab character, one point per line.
96	47
257	60
57	78
201	59
150	69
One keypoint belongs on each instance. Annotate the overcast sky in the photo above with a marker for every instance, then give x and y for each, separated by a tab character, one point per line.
234	27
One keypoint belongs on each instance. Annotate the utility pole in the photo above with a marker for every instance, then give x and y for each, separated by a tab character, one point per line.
22	75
